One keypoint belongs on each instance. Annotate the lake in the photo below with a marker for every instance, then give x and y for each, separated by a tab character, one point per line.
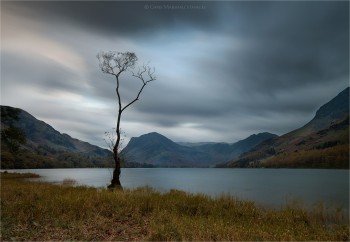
267	187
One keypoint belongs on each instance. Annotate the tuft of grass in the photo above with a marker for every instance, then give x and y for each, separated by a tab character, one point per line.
43	211
10	175
69	182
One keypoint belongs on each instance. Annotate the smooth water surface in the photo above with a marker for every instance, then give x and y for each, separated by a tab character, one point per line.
268	187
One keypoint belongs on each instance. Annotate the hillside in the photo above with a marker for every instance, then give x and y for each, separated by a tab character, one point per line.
322	142
41	134
157	150
45	147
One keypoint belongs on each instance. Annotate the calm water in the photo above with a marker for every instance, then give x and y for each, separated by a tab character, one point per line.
267	187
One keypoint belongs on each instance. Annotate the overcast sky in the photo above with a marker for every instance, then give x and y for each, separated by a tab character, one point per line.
225	70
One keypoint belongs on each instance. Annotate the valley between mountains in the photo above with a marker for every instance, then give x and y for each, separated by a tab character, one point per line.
321	143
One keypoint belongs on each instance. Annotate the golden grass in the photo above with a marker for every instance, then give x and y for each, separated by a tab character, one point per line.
332	157
7	175
42	211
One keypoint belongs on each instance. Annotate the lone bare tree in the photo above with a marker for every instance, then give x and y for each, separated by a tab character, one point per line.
115	63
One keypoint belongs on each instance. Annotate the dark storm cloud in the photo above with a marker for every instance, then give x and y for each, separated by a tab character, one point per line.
223	72
291	44
120	18
286	43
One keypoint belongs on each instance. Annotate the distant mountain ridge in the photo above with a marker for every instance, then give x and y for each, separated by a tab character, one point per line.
157	150
46	147
323	142
193	144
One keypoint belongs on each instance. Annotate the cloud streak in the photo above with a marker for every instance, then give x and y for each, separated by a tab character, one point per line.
224	71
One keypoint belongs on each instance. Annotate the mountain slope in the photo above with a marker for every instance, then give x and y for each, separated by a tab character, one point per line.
158	150
252	141
331	112
39	133
219	152
46	147
322	142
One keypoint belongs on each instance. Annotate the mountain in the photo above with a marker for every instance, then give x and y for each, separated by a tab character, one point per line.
219	152
335	110
323	142
157	150
250	142
45	146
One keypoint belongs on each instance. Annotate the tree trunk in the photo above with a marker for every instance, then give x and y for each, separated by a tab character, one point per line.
115	182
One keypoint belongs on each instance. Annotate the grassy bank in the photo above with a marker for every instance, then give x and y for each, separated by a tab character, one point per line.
42	211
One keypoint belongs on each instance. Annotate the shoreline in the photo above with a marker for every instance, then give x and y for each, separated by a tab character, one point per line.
43	211
283	199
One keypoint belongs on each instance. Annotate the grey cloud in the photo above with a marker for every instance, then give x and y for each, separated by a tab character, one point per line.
269	67
290	44
37	72
116	18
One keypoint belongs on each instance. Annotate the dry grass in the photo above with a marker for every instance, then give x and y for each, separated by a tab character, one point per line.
42	211
7	175
332	157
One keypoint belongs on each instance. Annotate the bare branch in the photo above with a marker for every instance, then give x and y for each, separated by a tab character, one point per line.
111	139
115	63
140	75
137	97
150	74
